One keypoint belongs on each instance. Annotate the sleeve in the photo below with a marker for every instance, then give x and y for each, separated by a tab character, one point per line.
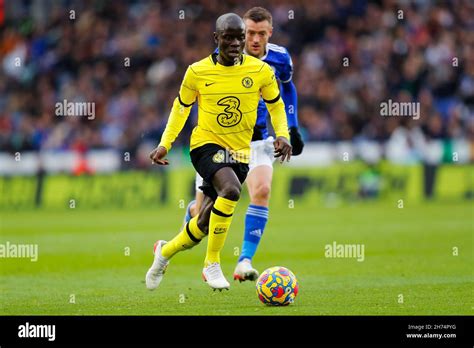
286	73
188	91
269	90
276	107
180	110
289	96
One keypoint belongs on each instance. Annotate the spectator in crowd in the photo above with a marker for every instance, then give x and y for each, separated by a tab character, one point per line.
128	59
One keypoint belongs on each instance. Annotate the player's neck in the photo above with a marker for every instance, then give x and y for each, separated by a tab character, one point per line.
228	63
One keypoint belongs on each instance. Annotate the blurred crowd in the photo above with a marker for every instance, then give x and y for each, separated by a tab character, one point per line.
128	57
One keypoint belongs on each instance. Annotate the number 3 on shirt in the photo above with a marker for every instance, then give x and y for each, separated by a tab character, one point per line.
231	115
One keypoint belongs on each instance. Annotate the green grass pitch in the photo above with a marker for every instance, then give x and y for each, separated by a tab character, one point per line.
82	257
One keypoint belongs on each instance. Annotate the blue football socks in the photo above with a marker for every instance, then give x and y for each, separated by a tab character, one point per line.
255	221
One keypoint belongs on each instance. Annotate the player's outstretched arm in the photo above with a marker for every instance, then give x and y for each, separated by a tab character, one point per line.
276	108
288	93
178	116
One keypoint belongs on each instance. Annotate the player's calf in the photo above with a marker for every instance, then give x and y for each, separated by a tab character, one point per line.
189	236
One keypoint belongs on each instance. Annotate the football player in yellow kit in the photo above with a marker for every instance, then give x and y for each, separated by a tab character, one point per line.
228	86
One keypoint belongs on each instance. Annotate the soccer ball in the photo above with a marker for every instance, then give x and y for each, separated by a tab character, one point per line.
277	286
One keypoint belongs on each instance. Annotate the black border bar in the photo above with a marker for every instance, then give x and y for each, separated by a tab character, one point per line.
171	330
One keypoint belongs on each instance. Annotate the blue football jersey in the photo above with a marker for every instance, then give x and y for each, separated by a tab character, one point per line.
280	61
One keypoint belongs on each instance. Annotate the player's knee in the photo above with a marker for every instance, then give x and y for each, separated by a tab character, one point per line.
231	191
262	192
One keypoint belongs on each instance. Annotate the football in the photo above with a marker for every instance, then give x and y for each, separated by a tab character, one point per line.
277	286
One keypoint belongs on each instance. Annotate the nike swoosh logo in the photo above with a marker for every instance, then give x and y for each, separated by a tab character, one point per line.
208	84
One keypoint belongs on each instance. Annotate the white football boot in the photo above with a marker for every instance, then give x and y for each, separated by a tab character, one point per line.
158	268
244	271
214	277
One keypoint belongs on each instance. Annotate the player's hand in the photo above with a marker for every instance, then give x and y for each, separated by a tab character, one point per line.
296	141
158	154
282	148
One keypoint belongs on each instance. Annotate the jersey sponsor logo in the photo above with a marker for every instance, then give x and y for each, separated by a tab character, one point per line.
231	115
247	82
209	83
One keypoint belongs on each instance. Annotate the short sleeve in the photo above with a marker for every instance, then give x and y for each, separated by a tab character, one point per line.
287	70
270	91
188	91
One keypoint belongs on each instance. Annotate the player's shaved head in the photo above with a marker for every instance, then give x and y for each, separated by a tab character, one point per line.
230	21
230	38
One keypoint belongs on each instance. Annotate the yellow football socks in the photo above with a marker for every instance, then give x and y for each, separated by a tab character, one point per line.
190	236
219	222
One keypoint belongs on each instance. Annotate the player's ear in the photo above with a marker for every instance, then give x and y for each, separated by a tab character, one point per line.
216	41
270	32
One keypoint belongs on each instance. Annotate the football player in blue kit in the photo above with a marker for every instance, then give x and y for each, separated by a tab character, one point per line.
258	30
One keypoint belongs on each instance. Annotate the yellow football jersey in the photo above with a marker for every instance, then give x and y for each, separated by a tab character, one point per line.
227	99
